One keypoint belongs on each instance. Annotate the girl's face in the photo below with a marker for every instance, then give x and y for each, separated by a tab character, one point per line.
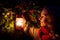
43	17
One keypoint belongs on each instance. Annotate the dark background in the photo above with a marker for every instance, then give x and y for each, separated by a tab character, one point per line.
53	5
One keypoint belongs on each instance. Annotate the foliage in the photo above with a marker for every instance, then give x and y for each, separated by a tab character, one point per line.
7	21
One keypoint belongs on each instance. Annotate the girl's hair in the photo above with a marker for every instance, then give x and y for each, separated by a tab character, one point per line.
49	18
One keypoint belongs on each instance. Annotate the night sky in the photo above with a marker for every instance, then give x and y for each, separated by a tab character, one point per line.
12	3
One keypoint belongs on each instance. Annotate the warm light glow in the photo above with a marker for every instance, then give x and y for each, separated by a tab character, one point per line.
20	22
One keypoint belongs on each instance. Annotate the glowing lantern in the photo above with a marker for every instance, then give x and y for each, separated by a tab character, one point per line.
20	22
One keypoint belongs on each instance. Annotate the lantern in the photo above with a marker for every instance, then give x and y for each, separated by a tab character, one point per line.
20	22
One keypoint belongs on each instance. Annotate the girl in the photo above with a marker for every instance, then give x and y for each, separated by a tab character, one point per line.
46	22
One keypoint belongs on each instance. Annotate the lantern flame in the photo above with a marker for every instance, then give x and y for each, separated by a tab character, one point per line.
20	22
